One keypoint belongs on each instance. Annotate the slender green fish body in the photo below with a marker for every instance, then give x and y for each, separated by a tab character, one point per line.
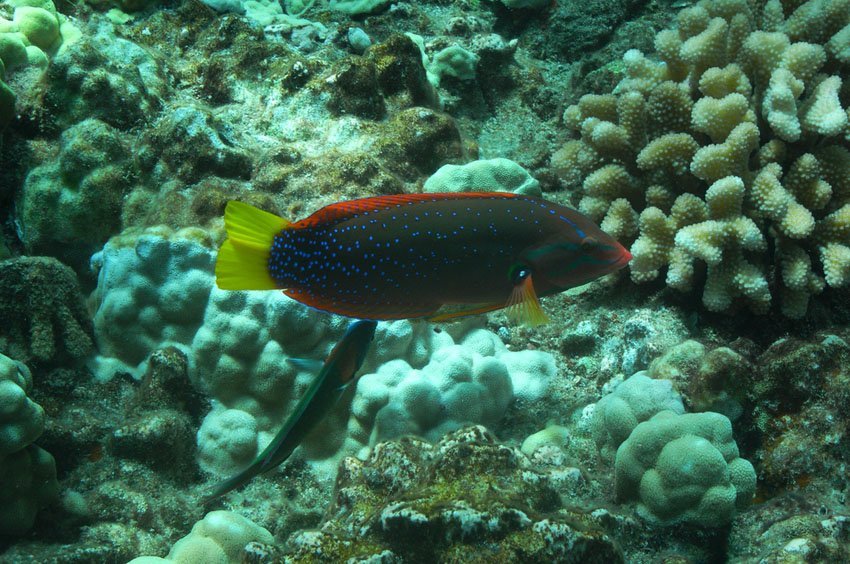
333	378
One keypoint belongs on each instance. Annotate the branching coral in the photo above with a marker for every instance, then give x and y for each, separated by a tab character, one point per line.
732	148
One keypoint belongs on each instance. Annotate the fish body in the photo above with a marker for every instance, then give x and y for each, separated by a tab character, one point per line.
334	376
416	255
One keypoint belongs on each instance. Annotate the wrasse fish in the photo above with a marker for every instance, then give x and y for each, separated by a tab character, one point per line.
334	376
436	256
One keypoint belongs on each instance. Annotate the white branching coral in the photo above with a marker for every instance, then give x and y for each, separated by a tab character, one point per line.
726	156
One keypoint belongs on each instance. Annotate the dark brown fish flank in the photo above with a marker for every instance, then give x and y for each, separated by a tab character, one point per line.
418	251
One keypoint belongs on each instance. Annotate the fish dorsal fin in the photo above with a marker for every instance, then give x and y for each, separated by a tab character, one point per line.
242	262
523	305
344	210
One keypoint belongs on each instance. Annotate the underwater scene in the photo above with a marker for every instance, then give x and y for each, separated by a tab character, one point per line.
375	281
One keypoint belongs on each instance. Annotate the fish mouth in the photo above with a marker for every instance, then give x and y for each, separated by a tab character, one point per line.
623	259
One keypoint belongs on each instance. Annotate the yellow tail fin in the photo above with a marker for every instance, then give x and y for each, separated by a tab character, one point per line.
243	258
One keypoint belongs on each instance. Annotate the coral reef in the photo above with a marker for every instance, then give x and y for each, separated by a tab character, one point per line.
497	175
474	381
708	378
21	419
783	399
152	291
721	157
28	482
728	153
680	467
34	34
156	290
125	474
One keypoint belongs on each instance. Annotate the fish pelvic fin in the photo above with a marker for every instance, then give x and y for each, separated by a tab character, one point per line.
451	313
306	364
523	305
243	258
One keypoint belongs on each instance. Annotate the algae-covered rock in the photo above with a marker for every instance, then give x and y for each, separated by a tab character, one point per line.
353	89
708	379
401	74
43	314
418	141
7	102
800	389
192	144
467	499
159	426
112	80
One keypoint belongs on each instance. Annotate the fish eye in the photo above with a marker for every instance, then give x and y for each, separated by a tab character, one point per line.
588	244
518	273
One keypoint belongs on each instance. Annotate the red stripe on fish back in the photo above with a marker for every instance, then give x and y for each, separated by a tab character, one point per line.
343	210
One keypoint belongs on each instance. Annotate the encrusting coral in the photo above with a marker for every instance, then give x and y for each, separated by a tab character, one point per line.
730	151
27	472
44	317
71	204
684	468
34	34
221	536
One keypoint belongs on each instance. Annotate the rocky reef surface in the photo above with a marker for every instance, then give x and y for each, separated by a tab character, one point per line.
689	408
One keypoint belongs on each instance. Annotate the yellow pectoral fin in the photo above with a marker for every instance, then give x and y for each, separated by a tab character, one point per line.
243	258
523	305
